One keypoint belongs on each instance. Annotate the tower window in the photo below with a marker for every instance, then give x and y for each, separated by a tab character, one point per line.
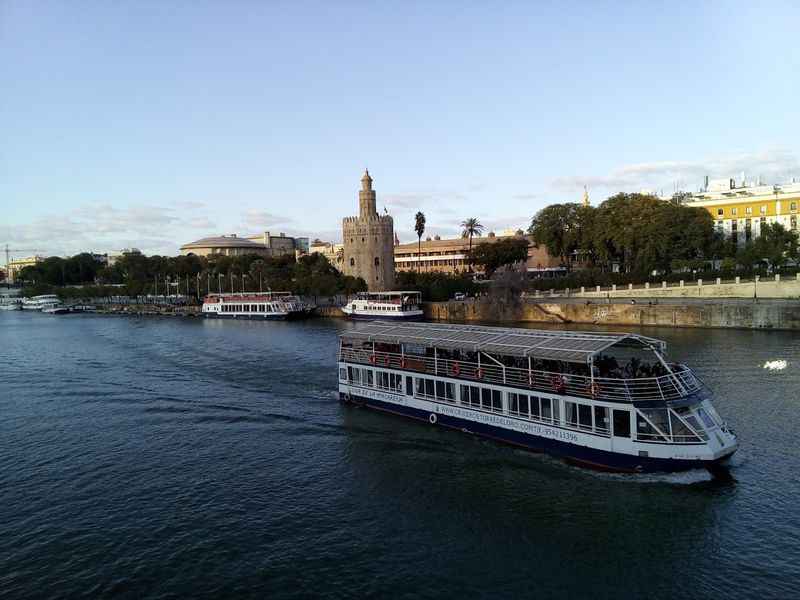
362	240
352	262
377	262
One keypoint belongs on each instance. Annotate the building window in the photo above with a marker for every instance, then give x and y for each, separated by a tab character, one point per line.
793	223
748	210
763	210
720	212
793	206
352	262
362	240
734	211
377	262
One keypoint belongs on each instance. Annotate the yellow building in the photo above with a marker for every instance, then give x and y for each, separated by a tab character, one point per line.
740	209
451	255
15	266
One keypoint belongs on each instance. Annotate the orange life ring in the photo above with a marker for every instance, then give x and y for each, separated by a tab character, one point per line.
456	369
372	358
479	374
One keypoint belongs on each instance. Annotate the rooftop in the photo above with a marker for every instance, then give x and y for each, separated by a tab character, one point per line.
223	241
568	346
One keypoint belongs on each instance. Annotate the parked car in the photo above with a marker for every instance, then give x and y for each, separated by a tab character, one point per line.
460	296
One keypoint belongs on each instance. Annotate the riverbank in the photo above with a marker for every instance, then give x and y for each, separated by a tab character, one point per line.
706	314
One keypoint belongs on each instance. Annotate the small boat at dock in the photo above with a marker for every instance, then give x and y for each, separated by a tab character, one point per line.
259	306
395	306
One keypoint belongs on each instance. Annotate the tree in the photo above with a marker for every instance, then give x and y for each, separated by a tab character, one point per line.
419	228
493	255
776	244
471	227
558	228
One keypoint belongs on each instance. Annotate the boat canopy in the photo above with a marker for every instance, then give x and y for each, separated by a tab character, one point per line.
567	346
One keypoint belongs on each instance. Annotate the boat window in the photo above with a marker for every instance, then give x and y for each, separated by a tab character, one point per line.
622	423
571	413
645	431
497	401
601	423
367	377
343	374
446	391
708	421
419	387
680	432
535	414
486	399
429	388
585	416
470	395
546	413
513	406
556	414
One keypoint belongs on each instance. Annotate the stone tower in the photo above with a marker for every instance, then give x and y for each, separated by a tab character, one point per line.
369	242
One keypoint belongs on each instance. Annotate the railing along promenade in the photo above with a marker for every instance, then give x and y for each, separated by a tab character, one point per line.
678	384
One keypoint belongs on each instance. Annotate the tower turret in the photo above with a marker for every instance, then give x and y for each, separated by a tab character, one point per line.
366	197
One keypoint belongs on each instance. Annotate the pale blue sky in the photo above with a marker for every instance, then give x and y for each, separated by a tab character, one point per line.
155	123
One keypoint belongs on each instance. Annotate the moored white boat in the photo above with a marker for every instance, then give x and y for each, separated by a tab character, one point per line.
402	306
41	302
261	306
10	303
559	392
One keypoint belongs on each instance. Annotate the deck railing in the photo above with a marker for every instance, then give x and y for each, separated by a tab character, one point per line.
678	384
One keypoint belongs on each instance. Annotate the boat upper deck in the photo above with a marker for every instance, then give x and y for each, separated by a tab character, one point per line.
561	362
569	346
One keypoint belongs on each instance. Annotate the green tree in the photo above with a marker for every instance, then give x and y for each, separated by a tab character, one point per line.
419	228
561	228
504	252
776	244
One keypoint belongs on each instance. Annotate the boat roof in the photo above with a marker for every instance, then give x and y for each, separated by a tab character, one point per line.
568	346
398	293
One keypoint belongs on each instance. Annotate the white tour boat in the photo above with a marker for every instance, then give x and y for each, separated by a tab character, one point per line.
9	303
41	302
605	400
405	306
256	305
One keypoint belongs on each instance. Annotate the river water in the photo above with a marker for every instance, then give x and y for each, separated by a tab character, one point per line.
165	458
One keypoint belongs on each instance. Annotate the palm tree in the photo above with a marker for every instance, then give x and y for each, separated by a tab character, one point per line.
471	227
419	228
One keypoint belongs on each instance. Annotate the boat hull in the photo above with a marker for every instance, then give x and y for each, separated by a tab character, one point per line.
275	317
581	455
362	317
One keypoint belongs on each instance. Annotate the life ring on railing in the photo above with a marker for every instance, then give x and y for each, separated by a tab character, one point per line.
432	419
373	359
403	363
479	374
558	383
456	369
387	360
595	389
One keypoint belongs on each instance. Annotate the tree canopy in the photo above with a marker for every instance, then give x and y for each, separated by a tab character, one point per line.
503	252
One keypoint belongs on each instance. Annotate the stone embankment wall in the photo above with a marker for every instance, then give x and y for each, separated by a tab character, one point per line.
773	287
707	314
149	309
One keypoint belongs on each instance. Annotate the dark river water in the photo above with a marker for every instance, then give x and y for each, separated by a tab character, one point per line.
166	458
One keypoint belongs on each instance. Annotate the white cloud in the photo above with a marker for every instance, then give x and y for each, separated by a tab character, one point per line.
774	164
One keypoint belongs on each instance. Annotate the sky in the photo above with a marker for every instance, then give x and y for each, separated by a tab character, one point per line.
153	124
